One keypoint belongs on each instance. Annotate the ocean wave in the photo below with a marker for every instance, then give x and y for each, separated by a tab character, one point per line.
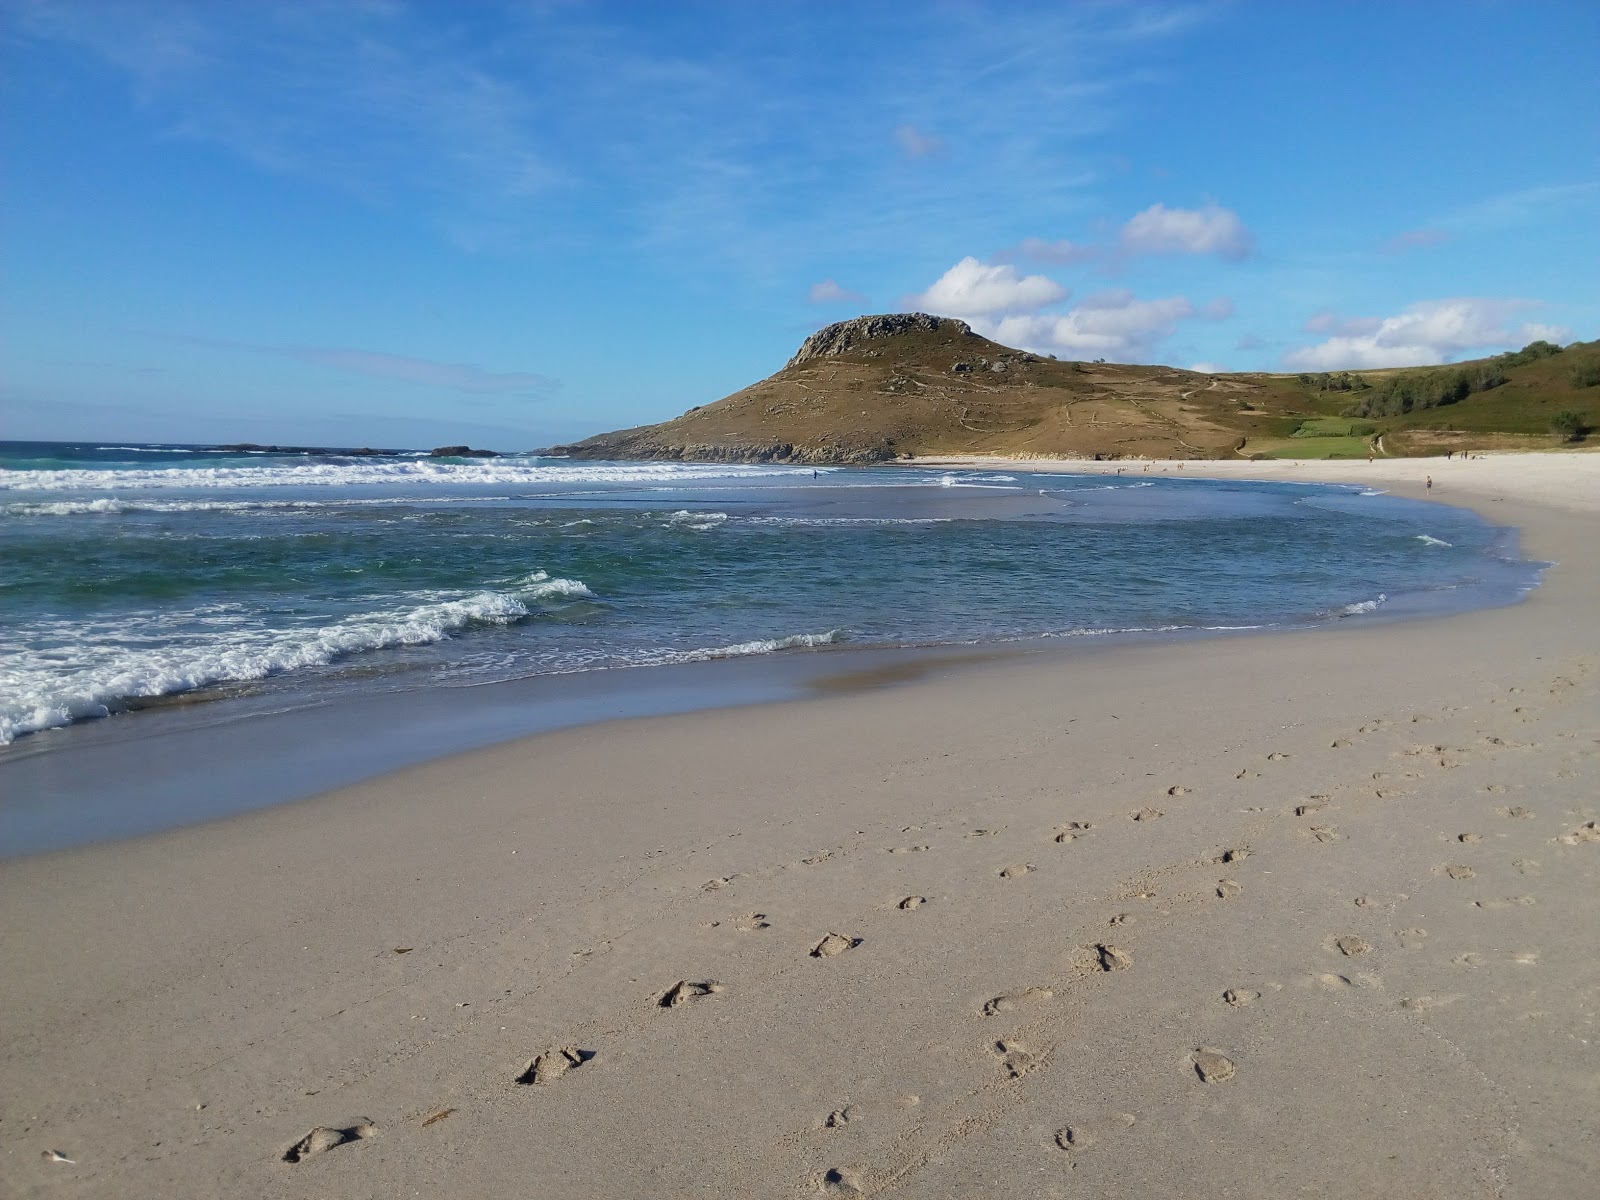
1364	606
389	471
826	521
697	521
762	646
1426	540
114	507
40	691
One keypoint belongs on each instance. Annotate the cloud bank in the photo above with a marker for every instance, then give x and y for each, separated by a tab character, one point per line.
1209	230
1425	334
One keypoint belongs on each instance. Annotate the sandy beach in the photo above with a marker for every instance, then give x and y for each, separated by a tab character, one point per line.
1283	914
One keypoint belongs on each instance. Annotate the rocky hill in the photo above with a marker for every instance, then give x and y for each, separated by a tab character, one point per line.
877	388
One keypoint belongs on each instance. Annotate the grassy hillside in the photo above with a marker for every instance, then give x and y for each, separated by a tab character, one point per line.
878	388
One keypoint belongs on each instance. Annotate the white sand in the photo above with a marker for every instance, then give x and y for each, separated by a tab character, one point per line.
1348	949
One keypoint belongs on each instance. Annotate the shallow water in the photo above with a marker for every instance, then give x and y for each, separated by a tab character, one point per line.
133	574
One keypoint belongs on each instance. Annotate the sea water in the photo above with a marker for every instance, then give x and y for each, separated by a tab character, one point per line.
130	574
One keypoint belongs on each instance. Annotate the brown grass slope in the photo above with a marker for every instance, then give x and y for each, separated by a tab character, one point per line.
876	388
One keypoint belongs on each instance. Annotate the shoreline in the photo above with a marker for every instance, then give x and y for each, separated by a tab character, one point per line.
183	761
1232	916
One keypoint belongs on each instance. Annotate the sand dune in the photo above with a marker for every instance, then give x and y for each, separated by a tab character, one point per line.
1259	916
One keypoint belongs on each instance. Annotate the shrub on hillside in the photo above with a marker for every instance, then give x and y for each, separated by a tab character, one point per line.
1586	373
1571	426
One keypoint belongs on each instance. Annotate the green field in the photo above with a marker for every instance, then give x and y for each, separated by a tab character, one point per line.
1310	447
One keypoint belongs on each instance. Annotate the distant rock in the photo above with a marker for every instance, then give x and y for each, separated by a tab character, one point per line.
843	336
461	452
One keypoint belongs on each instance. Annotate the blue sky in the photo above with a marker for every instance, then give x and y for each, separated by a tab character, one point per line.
391	223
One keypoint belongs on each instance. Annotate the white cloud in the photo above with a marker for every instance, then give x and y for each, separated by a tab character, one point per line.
1207	368
1113	325
917	144
829	291
1209	230
975	289
1425	334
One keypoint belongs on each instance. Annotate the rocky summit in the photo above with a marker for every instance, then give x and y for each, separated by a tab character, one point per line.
909	385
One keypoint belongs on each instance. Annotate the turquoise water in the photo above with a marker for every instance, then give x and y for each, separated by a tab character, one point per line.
136	572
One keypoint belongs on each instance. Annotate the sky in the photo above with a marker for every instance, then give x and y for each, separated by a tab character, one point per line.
371	222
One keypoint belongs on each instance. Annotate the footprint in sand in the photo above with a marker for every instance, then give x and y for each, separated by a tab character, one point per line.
1247	773
1515	813
1324	833
907	849
1237	854
910	902
1469	959
1276	756
686	990
1227	889
1381	900
326	1137
1177	789
553	1064
983	833
1349	945
1410	939
1589	832
1146	814
1306	810
1526	866
1339	743
1240	997
1212	1065
716	885
1455	871
1072	830
1014	871
834	943
1080	1136
1110	958
817	856
1469	838
1373	726
1505	902
1012	1001
841	1181
1074	1137
751	922
1526	958
1014	1056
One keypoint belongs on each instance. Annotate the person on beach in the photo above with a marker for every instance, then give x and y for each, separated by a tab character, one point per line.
1430	483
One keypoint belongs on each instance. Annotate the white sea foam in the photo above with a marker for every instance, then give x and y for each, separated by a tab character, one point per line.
112	507
1432	541
1364	606
526	472
763	646
82	671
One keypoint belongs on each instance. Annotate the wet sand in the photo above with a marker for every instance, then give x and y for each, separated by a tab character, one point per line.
1301	913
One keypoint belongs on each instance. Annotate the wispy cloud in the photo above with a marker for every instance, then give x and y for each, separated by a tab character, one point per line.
467	378
1414	239
829	291
749	138
917	144
1058	253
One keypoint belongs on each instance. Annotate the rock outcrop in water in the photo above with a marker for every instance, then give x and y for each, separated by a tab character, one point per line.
461	452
